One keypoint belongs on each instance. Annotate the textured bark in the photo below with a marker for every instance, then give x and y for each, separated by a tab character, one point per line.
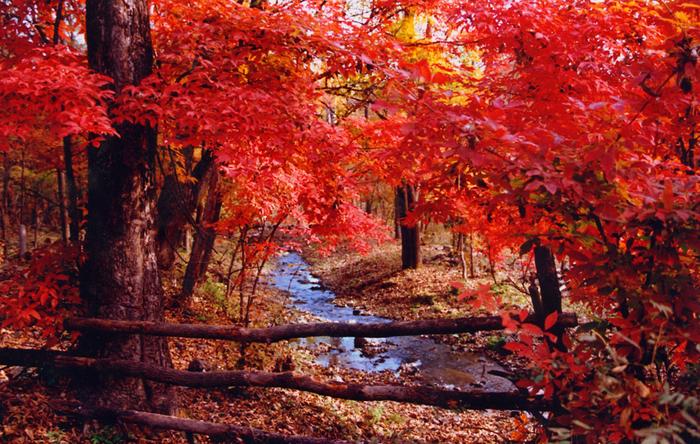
423	395
218	432
176	203
406	197
204	240
294	331
120	278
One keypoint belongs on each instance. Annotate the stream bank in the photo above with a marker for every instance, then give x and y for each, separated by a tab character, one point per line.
374	283
435	363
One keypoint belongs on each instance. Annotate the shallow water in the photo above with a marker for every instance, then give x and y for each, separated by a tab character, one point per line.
436	362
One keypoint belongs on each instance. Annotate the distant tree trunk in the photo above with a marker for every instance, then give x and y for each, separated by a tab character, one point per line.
687	153
72	188
550	293
188	240
536	299
6	205
492	263
471	256
204	238
397	223
61	197
22	241
35	222
462	256
21	189
120	277
260	4
368	205
57	22
406	197
67	182
176	203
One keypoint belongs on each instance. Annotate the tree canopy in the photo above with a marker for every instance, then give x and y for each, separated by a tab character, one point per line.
565	124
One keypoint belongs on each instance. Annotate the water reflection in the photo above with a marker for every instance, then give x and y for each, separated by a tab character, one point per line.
435	362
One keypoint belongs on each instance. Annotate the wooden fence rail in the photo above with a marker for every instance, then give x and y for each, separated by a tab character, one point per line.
424	395
293	331
218	432
287	380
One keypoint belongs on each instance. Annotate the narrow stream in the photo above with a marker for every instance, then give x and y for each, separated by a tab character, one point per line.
435	362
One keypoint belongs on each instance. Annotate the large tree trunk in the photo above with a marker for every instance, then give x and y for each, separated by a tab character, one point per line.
406	197
204	240
176	203
120	278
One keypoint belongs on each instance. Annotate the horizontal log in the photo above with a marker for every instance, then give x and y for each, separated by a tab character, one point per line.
224	432
293	331
288	380
27	357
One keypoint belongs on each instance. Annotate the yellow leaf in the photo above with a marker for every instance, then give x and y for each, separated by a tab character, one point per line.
625	417
641	389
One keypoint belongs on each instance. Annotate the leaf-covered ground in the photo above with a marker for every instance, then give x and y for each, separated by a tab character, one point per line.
375	285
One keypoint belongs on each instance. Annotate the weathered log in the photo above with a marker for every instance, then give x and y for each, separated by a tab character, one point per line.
223	432
287	380
293	331
27	357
